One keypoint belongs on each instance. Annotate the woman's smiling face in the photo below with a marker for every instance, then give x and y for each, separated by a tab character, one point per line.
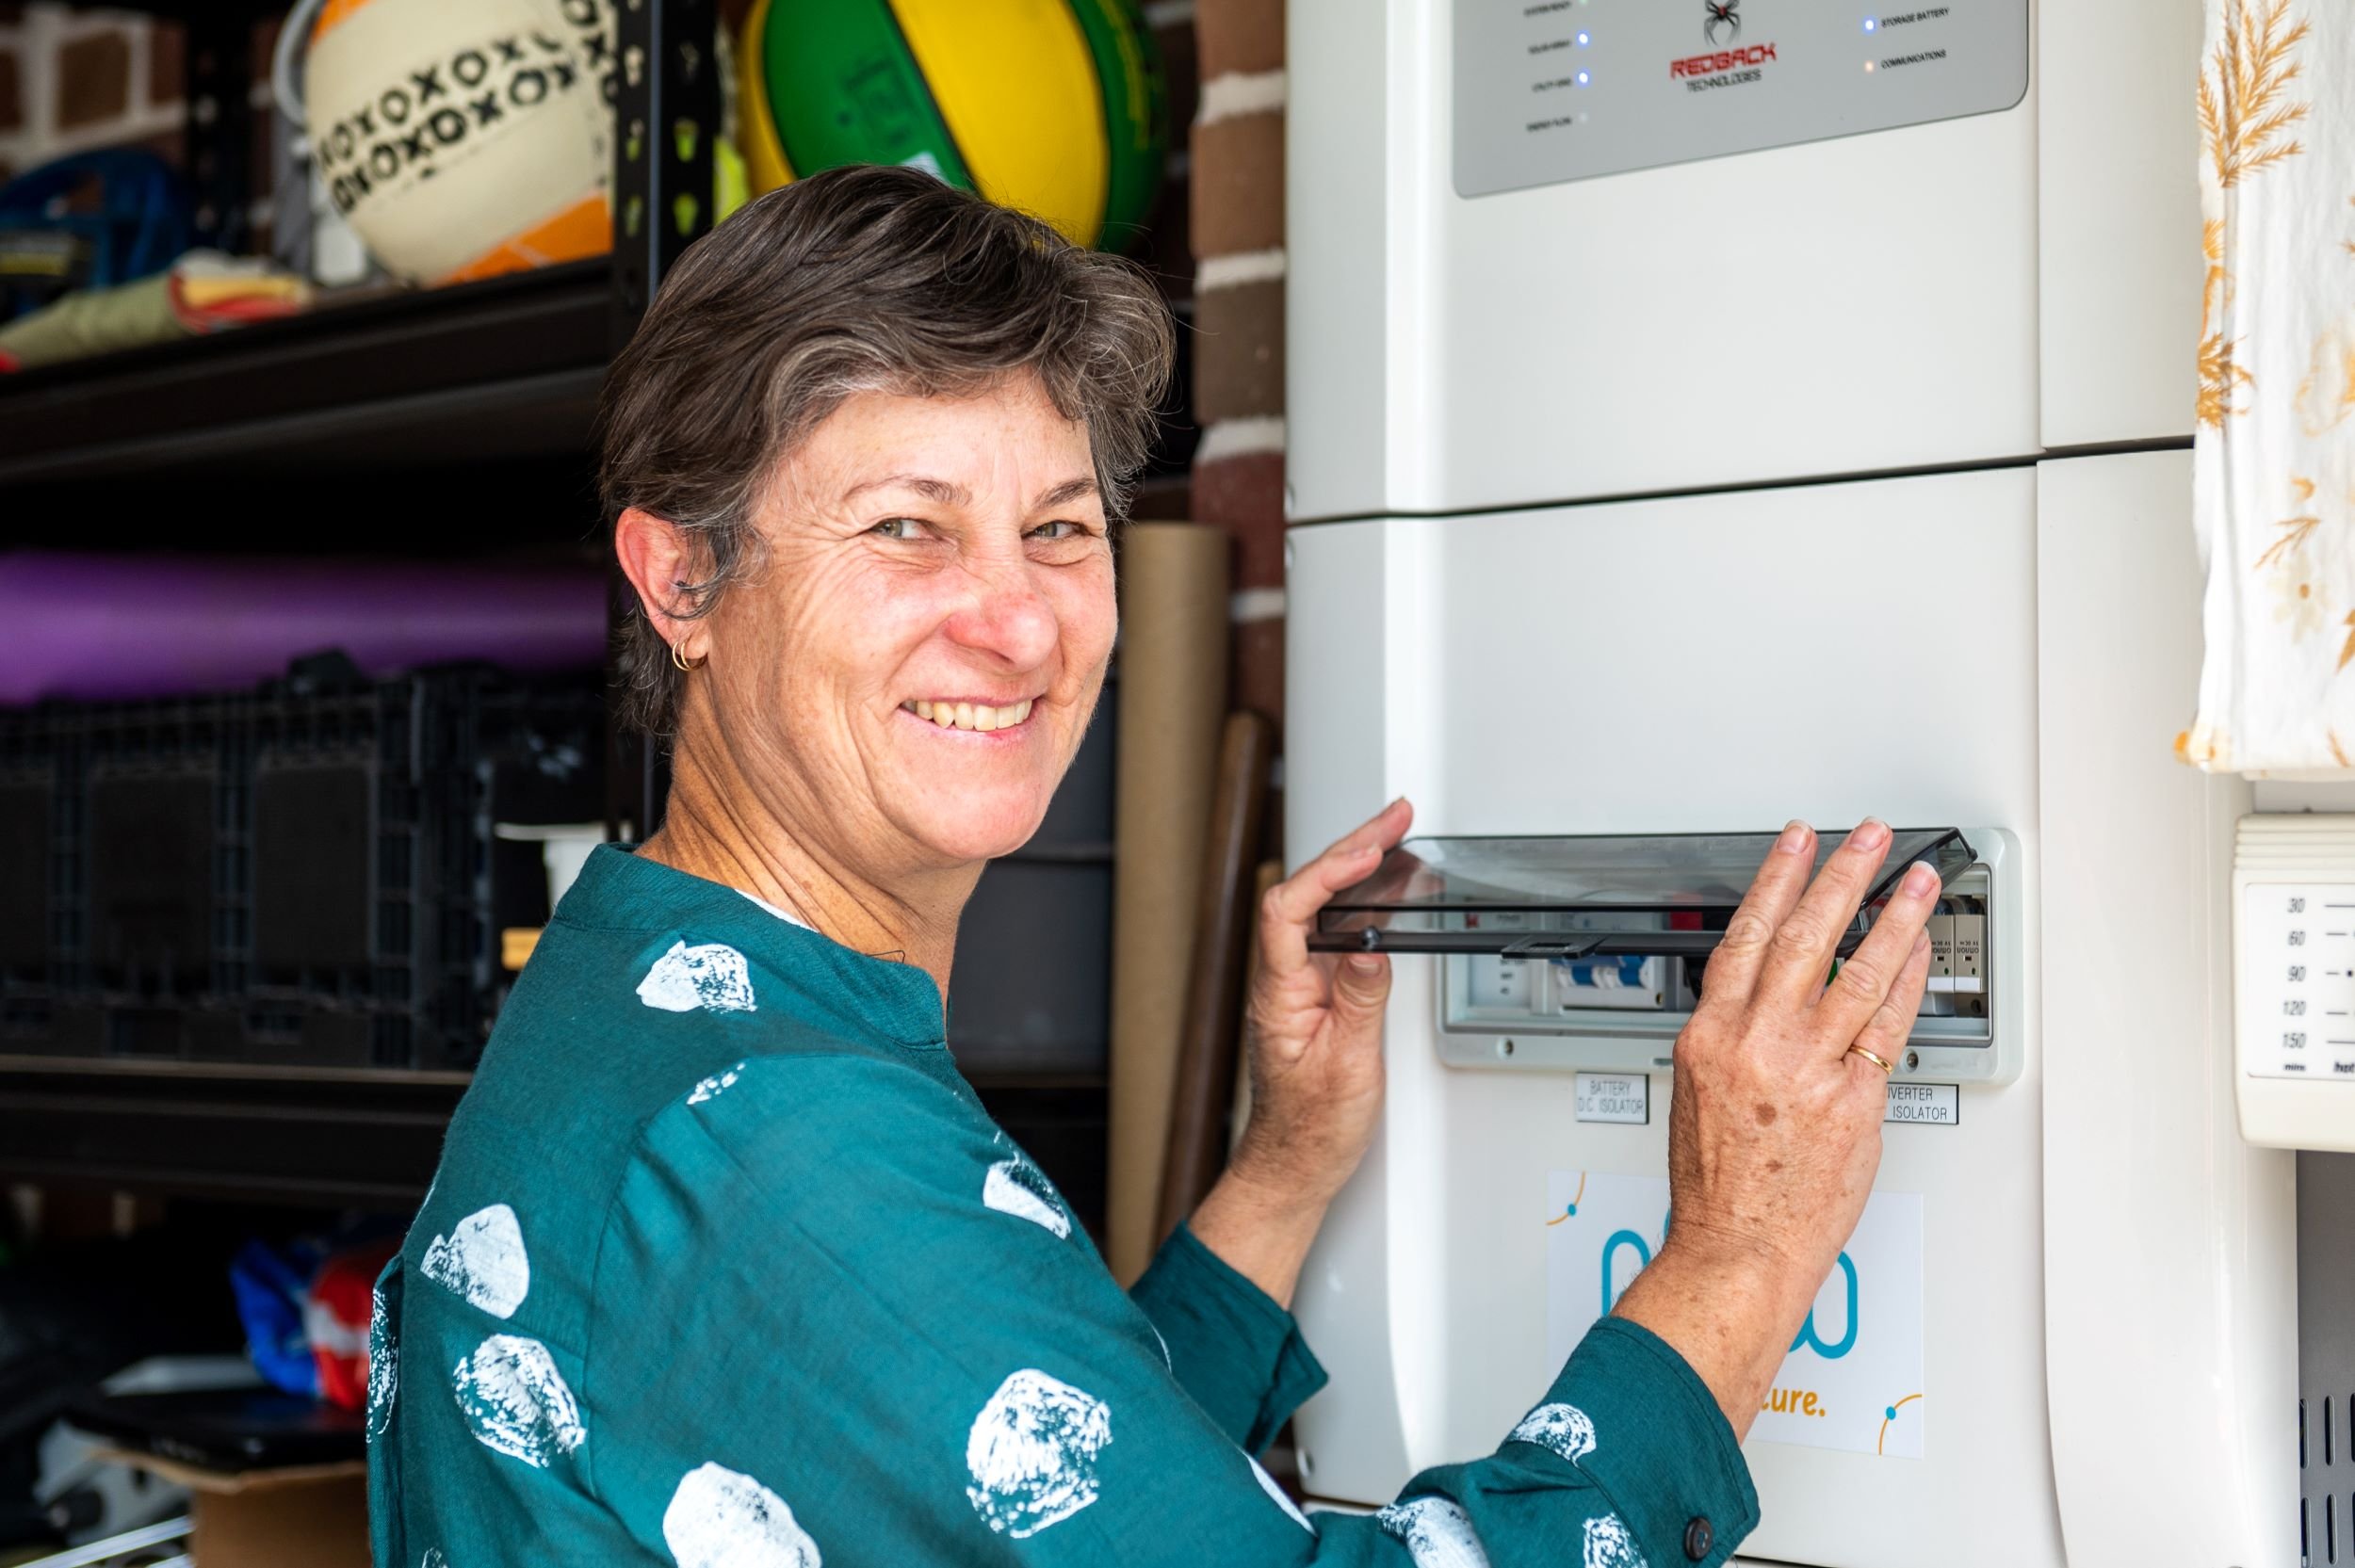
916	659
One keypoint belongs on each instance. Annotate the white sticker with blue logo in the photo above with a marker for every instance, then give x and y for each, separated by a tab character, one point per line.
1853	1380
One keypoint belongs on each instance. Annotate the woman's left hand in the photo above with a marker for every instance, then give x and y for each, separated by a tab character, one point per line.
1315	1029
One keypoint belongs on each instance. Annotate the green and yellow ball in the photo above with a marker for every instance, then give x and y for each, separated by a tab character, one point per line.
1053	107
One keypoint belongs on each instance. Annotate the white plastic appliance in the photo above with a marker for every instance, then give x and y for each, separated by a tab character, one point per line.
1694	426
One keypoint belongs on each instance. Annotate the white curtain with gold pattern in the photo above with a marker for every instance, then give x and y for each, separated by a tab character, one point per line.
2275	450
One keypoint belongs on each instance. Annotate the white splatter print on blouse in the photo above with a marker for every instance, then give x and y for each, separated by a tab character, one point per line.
384	1366
1267	1484
1611	1545
1017	1187
713	1087
482	1259
711	977
515	1403
1565	1429
720	1518
1437	1533
433	1558
1031	1453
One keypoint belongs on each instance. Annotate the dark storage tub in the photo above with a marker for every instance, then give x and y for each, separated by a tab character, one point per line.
304	875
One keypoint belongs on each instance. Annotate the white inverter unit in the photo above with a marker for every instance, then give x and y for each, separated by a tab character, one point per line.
1704	414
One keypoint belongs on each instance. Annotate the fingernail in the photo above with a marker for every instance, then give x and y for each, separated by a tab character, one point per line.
1795	838
1921	881
1921	940
1871	833
1365	963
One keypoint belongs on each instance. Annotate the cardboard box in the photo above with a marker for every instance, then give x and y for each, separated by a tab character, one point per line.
304	1516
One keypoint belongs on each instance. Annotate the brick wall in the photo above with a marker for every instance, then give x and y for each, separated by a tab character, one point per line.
74	79
1238	240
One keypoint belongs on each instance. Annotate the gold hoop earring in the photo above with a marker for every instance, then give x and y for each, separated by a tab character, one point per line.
684	665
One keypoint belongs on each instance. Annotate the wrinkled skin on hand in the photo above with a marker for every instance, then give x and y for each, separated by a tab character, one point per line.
1774	1122
1316	1022
1315	1034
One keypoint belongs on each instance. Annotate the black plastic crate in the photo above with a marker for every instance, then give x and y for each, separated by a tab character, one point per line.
1030	992
28	788
308	874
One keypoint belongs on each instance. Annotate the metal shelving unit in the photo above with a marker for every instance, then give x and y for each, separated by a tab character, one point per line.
510	365
337	1139
481	373
379	395
507	366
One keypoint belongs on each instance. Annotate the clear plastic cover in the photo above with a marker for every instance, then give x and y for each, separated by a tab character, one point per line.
1658	895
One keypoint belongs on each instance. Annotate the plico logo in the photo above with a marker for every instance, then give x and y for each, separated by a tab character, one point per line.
1721	21
1854	1376
1811	1337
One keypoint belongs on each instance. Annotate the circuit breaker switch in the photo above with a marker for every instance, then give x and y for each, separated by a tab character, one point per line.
1942	931
1971	954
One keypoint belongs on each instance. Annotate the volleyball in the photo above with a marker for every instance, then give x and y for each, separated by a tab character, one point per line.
1053	107
461	138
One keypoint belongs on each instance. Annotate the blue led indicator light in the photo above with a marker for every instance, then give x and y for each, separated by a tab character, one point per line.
1583	79
1871	24
1583	40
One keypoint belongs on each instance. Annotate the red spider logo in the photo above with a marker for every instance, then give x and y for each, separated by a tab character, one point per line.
1721	13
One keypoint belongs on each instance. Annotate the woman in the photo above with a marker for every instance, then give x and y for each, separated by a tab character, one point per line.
725	1263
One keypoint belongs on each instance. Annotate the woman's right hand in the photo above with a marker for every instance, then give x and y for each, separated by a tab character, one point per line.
1774	1124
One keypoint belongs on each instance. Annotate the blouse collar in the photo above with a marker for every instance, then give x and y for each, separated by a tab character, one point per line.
620	890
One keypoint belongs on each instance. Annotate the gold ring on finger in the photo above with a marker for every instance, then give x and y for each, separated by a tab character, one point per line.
1882	1062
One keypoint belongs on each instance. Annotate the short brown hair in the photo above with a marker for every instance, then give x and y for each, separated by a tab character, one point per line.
866	279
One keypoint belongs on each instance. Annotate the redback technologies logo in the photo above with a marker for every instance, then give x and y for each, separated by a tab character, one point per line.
1724	59
1721	23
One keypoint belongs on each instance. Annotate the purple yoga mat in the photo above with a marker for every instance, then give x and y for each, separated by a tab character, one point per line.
103	627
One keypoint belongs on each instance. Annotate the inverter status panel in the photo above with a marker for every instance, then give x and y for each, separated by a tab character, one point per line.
1548	90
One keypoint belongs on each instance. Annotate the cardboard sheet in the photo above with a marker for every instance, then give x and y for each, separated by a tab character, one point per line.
1172	695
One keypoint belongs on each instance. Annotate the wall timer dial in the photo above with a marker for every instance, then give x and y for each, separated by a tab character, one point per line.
2293	986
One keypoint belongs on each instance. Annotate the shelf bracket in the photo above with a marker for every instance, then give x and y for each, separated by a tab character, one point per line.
219	124
666	118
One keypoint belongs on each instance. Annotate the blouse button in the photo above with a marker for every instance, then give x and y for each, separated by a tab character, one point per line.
1698	1538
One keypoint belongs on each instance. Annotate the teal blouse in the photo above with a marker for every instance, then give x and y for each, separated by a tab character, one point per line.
725	1267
